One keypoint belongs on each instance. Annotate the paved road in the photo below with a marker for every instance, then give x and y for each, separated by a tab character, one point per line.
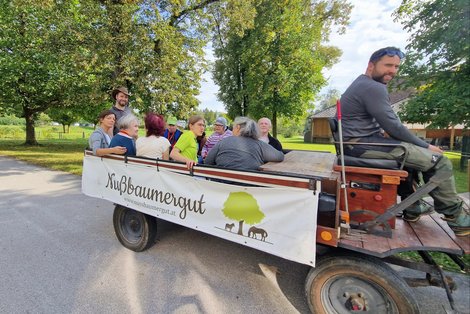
59	254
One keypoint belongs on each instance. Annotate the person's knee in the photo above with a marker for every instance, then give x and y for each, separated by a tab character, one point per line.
443	164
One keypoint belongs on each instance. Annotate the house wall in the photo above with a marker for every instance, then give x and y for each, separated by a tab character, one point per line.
321	131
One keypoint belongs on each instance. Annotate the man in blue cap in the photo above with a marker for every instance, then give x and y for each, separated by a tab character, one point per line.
172	133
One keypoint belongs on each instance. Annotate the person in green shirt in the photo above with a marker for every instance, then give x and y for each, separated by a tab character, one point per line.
185	150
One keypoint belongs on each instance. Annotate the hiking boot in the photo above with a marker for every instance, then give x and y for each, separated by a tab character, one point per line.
416	210
460	224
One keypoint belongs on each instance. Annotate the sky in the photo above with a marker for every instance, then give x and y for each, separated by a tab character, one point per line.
371	28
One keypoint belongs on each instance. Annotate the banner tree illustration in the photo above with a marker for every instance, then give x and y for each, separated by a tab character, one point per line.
242	207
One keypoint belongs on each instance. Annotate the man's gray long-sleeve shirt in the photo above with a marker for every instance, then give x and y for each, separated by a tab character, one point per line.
366	108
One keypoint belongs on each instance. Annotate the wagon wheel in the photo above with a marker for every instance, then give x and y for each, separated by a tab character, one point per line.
354	284
135	230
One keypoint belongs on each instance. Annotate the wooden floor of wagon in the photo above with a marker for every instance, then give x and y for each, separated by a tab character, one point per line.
429	233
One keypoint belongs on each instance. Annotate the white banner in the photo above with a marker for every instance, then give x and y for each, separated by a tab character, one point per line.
277	220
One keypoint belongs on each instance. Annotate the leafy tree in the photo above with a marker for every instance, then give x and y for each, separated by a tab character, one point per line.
71	54
437	61
64	116
275	67
164	67
209	115
242	207
37	46
290	127
328	99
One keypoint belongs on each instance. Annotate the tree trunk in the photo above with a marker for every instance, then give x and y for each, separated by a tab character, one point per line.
240	227
274	123
30	131
452	137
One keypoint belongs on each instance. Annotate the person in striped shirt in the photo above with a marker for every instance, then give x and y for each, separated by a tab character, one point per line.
220	131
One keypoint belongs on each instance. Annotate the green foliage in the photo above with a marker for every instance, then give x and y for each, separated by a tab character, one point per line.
437	61
210	115
328	99
290	127
64	116
69	55
43	119
11	120
275	67
40	52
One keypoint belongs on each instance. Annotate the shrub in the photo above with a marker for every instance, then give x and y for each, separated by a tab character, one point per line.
11	120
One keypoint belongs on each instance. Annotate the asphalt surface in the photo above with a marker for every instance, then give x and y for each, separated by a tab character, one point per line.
59	254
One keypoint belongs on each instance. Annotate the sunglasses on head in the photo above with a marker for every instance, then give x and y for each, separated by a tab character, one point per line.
387	51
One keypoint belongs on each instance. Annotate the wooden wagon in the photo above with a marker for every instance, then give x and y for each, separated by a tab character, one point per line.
349	251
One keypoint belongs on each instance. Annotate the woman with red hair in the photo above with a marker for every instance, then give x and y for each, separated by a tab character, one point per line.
154	144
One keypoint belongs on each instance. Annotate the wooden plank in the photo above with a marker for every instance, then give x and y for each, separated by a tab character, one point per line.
376	171
351	241
404	238
433	237
376	243
462	242
430	233
318	164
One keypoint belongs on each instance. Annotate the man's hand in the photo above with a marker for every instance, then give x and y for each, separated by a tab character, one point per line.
435	149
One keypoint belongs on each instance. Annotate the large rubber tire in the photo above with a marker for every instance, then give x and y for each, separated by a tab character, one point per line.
338	282
135	230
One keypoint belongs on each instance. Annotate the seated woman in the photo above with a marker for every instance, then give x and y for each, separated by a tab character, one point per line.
220	131
128	131
101	138
154	144
264	125
243	150
185	150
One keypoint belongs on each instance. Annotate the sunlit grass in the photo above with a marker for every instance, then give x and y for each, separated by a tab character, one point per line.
63	155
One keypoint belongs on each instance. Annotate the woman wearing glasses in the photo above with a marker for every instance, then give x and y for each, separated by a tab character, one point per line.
185	150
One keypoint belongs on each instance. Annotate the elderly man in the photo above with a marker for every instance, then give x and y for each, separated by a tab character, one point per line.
172	133
265	125
121	105
367	113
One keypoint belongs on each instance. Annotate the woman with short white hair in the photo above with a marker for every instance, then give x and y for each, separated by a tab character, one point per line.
128	132
265	126
243	150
